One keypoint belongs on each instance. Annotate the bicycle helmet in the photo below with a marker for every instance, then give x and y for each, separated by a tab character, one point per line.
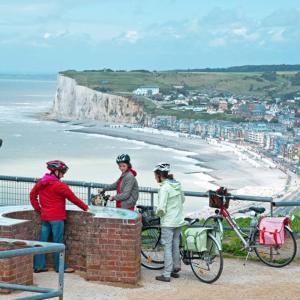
123	158
57	165
162	167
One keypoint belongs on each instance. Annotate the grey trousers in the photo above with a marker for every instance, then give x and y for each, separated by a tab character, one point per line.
170	239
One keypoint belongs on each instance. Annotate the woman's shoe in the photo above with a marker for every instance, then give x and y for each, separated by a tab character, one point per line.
69	270
175	275
40	270
163	278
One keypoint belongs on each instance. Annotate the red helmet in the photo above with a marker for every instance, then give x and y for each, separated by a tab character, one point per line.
57	165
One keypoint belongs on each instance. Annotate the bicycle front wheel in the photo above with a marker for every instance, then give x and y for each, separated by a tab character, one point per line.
277	256
152	252
208	265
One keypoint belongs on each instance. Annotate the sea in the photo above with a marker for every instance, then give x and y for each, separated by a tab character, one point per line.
29	142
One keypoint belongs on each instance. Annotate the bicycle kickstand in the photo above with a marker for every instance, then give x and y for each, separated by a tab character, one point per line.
246	259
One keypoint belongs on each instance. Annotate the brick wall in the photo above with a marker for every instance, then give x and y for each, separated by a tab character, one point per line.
113	250
15	269
106	249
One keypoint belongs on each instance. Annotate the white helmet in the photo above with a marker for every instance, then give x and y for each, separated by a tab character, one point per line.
163	167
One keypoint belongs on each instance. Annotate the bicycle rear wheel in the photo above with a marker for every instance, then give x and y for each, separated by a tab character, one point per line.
216	225
208	265
277	256
152	252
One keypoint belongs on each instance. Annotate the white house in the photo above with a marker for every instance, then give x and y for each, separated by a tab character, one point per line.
147	90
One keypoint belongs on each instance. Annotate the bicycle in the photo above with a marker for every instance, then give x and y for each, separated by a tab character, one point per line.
99	199
274	255
207	265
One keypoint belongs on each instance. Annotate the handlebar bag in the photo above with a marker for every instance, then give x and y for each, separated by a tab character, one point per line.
271	230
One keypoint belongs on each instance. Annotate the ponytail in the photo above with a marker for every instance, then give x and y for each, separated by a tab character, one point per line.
170	176
164	174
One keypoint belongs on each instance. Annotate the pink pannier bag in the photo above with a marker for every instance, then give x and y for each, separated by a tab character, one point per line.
271	230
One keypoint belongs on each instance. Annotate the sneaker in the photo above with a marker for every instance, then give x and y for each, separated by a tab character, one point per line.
176	270
69	270
175	275
163	278
40	270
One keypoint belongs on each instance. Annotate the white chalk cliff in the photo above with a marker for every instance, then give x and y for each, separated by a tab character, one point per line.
75	102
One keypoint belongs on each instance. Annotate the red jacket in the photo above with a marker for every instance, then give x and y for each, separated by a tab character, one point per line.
48	197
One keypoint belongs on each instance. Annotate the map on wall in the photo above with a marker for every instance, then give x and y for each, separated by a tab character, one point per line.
114	213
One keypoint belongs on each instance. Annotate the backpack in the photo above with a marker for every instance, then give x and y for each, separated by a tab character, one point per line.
271	230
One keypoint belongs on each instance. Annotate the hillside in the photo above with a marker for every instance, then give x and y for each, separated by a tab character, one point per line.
238	83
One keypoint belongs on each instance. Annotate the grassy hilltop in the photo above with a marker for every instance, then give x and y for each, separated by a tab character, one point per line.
258	81
238	83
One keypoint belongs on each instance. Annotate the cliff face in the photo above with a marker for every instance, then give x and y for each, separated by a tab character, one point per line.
73	101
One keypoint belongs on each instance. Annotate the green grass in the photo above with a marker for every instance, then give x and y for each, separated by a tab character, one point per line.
232	244
245	83
238	83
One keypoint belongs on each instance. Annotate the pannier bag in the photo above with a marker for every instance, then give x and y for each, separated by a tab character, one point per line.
271	230
219	198
195	239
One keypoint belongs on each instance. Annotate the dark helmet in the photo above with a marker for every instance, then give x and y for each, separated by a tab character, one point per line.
57	165
123	158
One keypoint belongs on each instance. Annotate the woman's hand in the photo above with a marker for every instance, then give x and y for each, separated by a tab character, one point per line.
111	198
100	191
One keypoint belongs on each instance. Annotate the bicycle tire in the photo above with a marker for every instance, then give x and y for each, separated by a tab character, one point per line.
208	257
151	249
279	263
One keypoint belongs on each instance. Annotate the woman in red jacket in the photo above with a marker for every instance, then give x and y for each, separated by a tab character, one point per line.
48	198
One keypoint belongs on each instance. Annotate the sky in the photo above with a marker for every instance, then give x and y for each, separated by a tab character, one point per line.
54	35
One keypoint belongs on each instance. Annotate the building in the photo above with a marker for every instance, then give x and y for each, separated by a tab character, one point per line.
164	122
147	90
256	134
223	105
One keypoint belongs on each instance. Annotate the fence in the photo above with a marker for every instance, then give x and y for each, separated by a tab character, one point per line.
31	248
15	191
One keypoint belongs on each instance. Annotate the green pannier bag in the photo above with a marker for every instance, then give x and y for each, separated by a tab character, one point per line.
195	239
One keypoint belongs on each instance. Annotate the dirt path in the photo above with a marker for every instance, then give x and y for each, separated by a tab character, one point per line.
255	281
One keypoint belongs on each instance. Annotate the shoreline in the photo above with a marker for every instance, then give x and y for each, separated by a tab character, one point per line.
219	163
186	145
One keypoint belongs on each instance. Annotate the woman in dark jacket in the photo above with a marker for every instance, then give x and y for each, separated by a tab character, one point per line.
126	186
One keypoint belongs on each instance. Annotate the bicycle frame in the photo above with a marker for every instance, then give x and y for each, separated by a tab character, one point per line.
225	213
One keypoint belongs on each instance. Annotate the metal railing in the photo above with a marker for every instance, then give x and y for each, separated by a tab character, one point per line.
15	191
31	249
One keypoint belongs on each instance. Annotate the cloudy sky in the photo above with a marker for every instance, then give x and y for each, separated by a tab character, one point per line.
52	35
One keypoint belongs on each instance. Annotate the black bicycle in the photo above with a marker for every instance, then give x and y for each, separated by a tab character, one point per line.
207	264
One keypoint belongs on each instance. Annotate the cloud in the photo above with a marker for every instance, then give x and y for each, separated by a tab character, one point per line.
277	34
131	36
218	42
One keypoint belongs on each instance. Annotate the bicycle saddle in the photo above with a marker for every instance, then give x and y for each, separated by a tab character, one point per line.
144	207
258	210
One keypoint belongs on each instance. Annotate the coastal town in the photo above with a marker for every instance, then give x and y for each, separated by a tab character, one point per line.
269	125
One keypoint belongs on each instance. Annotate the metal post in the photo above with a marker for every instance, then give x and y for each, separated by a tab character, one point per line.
89	195
152	199
271	208
61	273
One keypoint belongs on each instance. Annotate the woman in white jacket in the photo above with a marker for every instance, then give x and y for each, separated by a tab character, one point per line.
170	211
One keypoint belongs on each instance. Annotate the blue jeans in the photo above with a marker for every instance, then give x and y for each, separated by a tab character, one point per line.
57	230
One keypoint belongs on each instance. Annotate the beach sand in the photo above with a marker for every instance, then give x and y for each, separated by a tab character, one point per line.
218	164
